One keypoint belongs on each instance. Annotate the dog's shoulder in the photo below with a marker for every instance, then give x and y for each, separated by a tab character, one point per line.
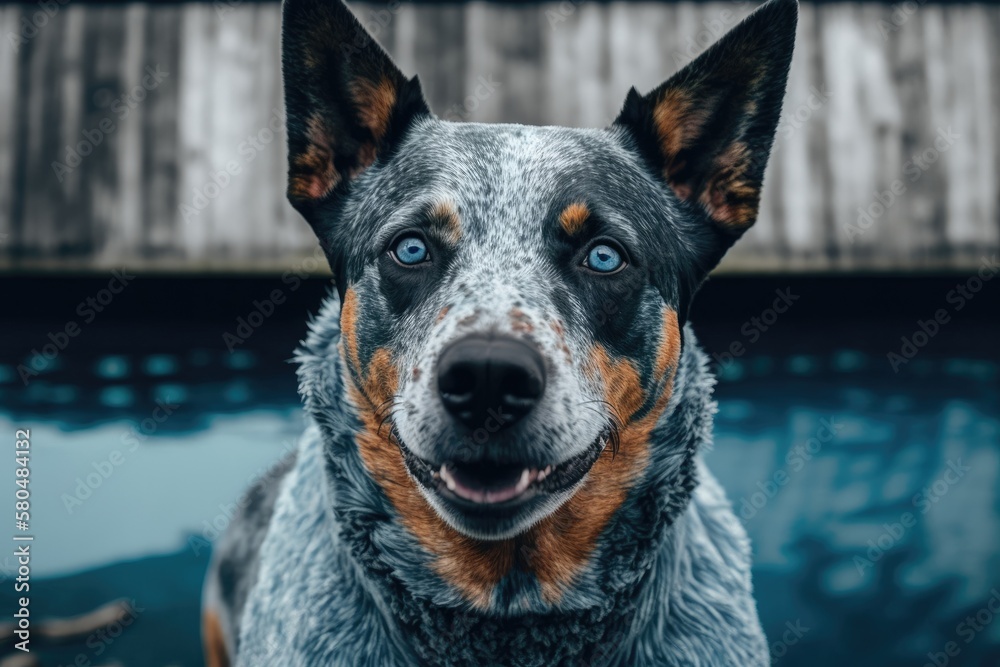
308	604
234	565
711	608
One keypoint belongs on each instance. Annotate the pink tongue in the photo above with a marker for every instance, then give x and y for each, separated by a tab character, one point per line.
465	486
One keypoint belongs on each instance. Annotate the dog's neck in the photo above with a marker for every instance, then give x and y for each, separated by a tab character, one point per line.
598	614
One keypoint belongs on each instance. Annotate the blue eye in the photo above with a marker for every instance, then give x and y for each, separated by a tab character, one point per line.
411	250
603	259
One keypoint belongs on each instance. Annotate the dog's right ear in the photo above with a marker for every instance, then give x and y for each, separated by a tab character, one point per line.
347	103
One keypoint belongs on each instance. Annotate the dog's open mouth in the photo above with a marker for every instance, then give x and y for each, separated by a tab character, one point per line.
492	484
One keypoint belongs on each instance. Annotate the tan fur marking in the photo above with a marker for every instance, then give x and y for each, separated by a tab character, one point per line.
366	157
678	121
573	217
567	539
375	101
670	345
520	322
313	175
473	568
444	217
348	327
729	196
213	640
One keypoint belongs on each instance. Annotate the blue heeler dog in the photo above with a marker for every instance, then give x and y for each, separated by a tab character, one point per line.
506	405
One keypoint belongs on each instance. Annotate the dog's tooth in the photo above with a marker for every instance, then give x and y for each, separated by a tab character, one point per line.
525	480
446	476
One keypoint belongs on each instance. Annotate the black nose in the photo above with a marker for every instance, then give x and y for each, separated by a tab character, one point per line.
490	382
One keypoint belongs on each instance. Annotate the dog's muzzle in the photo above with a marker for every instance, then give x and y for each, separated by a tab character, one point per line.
488	472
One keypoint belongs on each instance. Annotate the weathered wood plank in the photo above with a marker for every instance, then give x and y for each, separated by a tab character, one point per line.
917	207
10	17
198	25
970	163
127	242
155	91
43	190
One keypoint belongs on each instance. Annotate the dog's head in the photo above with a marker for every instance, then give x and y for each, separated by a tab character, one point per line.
513	297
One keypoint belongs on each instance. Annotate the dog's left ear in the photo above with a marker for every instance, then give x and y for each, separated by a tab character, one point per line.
347	102
708	129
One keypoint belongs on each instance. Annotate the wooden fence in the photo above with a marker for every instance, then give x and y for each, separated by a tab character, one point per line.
116	122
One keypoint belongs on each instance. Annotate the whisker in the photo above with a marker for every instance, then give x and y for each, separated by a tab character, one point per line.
615	423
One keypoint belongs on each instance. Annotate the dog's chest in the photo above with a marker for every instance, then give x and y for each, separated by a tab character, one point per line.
358	620
312	606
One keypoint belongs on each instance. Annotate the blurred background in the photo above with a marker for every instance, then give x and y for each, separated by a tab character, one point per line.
156	283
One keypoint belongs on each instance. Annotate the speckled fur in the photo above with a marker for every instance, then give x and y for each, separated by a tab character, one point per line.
326	565
341	583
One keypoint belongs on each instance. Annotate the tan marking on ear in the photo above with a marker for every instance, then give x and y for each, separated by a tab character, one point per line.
442	313
213	640
444	217
366	157
313	175
729	196
375	101
573	217
678	120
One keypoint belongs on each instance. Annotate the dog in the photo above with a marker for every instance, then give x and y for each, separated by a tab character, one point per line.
505	400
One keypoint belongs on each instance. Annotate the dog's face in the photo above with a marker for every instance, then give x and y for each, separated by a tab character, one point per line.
513	297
